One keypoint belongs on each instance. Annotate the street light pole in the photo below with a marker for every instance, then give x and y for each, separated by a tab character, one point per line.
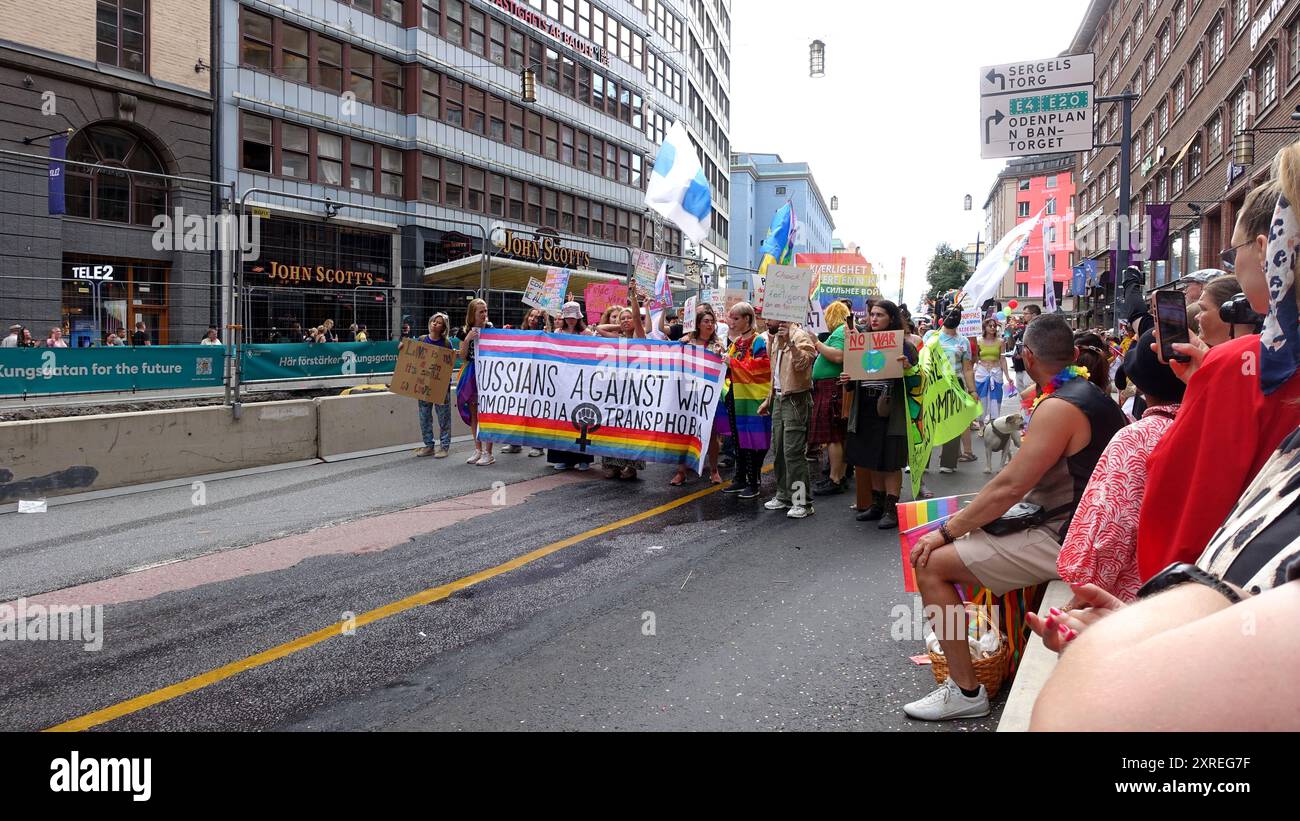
1123	253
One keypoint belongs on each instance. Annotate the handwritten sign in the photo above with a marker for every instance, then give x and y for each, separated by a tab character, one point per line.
970	324
423	371
535	293
557	285
786	292
873	354
600	296
688	315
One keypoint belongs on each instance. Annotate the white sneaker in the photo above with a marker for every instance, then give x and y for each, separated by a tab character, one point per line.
775	504
561	467
536	452
582	466
947	470
473	460
486	459
948	702
799	512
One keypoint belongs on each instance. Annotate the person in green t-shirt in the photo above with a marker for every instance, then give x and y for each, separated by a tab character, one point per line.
828	423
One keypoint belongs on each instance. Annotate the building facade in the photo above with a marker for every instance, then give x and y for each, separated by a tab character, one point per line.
761	184
129	82
1205	71
1024	188
410	117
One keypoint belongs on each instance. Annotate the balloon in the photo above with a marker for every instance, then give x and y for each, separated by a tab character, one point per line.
1013	304
1002	316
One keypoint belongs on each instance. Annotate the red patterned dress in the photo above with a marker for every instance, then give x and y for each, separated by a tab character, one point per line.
1101	547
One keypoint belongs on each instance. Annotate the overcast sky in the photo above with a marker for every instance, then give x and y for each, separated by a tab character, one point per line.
893	127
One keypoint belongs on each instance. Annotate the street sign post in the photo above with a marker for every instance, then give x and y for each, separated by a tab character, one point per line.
1037	107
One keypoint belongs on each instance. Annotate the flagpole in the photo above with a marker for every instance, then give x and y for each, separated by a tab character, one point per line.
1122	255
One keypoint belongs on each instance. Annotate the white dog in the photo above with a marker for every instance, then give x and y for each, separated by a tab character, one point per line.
999	436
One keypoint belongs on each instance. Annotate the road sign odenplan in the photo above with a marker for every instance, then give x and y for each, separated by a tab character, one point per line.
1037	107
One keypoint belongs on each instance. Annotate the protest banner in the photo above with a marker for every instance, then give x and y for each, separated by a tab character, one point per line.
841	276
557	286
535	294
970	324
600	296
947	409
423	371
873	354
645	269
626	398
786	293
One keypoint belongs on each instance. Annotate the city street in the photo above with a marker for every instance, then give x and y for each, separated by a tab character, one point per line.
501	598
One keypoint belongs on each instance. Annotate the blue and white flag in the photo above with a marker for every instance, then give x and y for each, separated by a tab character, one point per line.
678	188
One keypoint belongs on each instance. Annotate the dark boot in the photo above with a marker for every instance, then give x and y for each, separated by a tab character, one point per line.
877	508
889	521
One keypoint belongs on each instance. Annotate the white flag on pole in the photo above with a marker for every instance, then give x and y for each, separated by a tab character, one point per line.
1049	268
678	188
983	284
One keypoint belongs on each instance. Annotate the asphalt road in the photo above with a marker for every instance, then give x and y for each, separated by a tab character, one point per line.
713	614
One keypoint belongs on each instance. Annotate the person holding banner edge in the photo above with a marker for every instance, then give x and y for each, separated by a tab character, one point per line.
705	335
571	322
467	389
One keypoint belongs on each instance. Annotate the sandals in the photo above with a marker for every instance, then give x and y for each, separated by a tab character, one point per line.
968	457
715	478
628	473
679	479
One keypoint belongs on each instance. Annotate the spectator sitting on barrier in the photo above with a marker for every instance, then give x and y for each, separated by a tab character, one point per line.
1101	547
211	338
27	341
141	336
362	336
15	334
1073	423
55	339
1116	676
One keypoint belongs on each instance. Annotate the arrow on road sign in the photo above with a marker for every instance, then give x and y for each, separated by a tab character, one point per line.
1001	77
996	119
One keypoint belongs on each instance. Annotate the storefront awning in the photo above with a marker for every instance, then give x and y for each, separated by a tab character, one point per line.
505	274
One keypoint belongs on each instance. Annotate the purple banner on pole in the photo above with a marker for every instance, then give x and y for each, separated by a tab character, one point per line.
58	153
1158	214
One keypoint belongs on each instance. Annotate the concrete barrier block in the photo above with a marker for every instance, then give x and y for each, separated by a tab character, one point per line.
53	457
367	422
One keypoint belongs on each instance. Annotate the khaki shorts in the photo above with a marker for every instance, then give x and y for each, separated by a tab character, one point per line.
1010	562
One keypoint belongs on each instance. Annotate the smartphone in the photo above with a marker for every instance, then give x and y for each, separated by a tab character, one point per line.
1170	309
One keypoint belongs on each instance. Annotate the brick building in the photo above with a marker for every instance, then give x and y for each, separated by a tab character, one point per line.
1026	186
1206	70
131	80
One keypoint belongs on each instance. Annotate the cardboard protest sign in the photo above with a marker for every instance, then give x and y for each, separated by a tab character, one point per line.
873	354
785	295
600	296
970	324
535	294
688	315
423	371
645	269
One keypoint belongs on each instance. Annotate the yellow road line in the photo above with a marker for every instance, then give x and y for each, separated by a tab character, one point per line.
424	597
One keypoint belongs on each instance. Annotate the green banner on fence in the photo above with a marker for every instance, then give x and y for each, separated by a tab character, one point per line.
83	370
303	361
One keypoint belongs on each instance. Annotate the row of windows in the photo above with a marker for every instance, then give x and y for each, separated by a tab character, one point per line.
669	25
312	59
284	149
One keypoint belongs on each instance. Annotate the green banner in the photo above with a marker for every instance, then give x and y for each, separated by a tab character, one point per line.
119	368
946	411
303	361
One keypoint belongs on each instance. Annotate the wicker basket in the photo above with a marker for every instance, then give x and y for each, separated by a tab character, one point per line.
990	672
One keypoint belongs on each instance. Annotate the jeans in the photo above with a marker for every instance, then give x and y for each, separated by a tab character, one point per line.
444	423
790	416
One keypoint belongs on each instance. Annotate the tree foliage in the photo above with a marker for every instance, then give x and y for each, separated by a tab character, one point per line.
947	270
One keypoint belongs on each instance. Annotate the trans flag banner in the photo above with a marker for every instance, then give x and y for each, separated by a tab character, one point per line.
626	398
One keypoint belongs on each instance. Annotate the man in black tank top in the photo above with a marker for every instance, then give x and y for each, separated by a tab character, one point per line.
1069	429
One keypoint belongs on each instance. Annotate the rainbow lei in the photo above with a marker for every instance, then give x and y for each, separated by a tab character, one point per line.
1072	372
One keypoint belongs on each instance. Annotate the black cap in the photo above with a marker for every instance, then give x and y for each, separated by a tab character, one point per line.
1144	369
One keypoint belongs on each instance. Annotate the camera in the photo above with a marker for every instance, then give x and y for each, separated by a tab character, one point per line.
1237	311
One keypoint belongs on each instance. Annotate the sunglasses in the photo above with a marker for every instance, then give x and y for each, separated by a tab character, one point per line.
1229	256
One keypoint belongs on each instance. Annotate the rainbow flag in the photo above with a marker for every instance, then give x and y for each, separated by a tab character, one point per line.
625	398
750	383
915	519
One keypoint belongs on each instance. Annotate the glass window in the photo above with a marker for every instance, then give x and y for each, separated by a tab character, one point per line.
475	105
431	19
430	175
363	166
475	189
256	141
453	23
329	64
329	159
362	66
295	151
477	32
566	145
1216	41
534	121
516	200
255	39
496	118
497	40
552	212
430	94
391	179
496	195
597	220
534	205
390	78
453	183
1266	81
120	33
551	131
453	94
